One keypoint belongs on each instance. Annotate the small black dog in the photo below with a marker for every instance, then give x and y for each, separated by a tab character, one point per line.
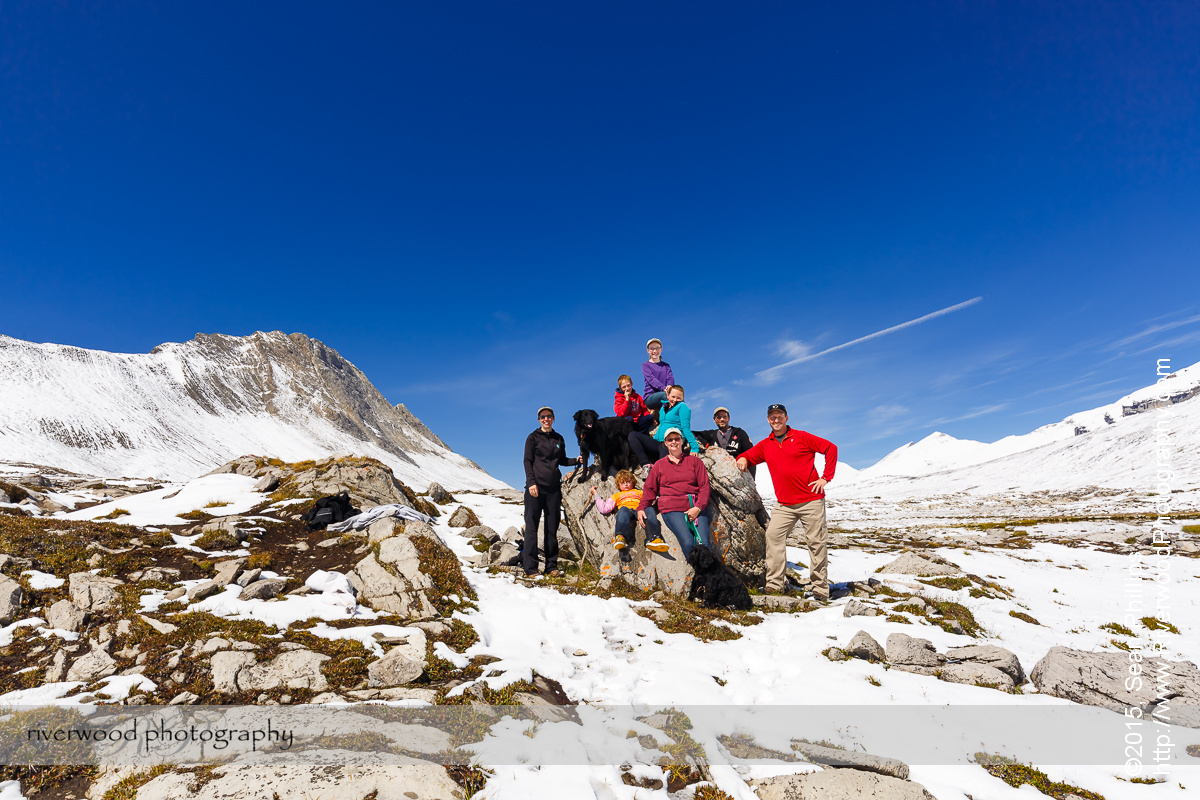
714	583
608	438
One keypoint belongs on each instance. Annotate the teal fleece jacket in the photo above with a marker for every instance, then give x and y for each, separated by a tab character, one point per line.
677	416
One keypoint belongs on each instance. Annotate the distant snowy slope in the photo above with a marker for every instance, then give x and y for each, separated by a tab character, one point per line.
185	408
1113	446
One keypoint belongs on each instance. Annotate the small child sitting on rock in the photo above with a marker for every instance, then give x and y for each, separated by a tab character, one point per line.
625	502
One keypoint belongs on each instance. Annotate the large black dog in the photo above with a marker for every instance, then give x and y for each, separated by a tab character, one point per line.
608	438
714	583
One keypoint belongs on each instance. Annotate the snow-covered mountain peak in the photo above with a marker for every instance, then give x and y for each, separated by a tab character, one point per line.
185	407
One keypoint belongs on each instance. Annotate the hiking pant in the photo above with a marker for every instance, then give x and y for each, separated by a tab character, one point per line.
626	522
654	400
783	518
646	448
548	502
677	522
644	423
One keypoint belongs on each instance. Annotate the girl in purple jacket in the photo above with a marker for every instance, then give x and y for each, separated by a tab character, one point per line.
658	375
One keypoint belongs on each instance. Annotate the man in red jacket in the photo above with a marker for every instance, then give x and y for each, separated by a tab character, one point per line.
789	454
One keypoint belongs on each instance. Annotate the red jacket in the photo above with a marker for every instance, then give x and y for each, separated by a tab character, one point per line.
791	464
633	408
671	484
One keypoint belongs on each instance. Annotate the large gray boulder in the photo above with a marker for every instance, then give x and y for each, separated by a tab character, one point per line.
991	656
737	520
394	582
910	654
235	671
93	593
1099	679
864	646
837	757
11	595
973	674
840	784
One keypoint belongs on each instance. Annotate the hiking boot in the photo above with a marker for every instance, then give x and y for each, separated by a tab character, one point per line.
619	542
657	545
554	573
626	557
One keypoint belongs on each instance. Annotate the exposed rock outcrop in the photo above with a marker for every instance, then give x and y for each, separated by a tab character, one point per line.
840	784
737	521
1099	679
928	565
909	654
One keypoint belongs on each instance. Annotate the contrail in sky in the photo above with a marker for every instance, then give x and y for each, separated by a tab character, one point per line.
771	373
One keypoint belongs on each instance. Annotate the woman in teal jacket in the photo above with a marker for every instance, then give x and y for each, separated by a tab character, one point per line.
673	414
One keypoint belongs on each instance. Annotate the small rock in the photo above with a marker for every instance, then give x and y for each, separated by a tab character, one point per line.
840	784
65	615
836	654
176	593
202	591
92	666
161	627
833	756
91	592
463	517
183	699
910	654
261	590
437	494
248	577
857	608
226	571
57	670
580	653
267	483
402	664
921	566
974	674
864	646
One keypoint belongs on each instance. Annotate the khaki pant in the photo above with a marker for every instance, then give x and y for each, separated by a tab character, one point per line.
816	532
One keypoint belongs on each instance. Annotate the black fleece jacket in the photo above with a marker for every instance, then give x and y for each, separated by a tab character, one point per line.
544	454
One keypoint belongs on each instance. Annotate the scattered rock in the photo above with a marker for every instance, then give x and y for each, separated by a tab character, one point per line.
225	571
974	674
840	784
992	656
402	664
542	708
836	757
857	608
864	646
437	494
303	780
921	566
248	577
267	483
93	593
836	654
65	615
93	665
463	517
1098	679
176	593
203	590
383	590
264	589
909	654
477	531
234	671
57	670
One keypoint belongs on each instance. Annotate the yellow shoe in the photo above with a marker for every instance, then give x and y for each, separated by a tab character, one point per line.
619	542
657	545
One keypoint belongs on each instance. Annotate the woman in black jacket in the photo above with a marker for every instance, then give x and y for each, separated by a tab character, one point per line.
545	452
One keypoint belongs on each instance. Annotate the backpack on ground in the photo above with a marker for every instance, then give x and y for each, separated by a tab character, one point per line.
326	510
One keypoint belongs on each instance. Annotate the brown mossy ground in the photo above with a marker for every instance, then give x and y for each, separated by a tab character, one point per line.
1016	775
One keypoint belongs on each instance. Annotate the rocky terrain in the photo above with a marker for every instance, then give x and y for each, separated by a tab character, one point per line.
183	608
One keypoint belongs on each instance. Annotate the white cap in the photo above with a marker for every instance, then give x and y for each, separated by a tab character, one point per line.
652	341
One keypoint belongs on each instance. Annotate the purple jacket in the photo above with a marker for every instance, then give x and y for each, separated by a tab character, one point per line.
658	376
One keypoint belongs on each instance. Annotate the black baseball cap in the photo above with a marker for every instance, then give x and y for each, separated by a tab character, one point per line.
776	407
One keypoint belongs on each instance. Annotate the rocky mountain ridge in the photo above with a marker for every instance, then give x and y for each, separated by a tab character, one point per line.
183	408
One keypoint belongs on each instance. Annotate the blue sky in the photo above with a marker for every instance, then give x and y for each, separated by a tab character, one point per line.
491	206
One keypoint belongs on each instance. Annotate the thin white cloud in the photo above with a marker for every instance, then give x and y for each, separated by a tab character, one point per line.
771	374
1153	329
979	412
792	348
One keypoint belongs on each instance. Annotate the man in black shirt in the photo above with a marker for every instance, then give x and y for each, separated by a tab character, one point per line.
732	440
545	452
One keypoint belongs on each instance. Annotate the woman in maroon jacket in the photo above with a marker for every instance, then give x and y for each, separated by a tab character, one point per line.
680	485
